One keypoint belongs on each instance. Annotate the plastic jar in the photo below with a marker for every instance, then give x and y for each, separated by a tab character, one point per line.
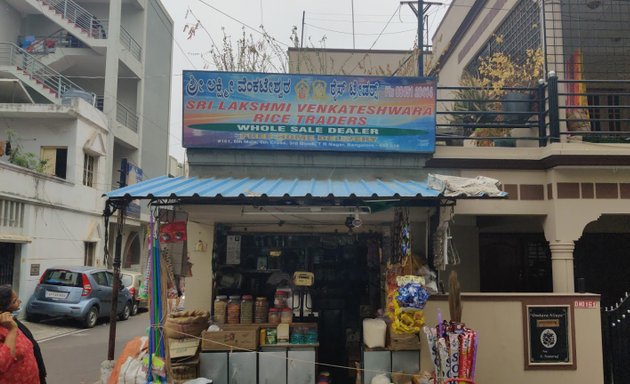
220	309
247	309
286	316
234	310
280	299
261	308
274	316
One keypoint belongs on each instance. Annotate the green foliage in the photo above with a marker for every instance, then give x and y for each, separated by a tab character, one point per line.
22	158
476	105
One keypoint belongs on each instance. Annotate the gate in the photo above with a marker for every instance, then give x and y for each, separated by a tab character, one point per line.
7	256
616	342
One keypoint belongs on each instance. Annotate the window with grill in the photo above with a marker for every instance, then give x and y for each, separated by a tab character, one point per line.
11	214
89	169
520	31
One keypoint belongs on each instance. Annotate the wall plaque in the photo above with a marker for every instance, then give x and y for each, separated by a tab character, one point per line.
549	336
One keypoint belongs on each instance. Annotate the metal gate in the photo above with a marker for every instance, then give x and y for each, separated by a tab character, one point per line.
616	342
7	257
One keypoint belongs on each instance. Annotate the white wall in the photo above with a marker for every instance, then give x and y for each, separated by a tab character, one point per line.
9	23
156	88
199	286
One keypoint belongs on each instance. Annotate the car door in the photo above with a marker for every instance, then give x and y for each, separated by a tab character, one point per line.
103	292
122	296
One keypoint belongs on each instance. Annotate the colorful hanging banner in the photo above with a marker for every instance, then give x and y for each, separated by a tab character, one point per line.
308	112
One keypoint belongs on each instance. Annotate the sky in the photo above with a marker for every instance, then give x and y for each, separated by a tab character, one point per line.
378	24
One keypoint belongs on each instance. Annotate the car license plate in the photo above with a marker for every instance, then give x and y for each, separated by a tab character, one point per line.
56	295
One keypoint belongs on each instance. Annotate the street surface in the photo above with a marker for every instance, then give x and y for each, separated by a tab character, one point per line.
74	355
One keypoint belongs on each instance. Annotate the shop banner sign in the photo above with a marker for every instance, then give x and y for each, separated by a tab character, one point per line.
308	112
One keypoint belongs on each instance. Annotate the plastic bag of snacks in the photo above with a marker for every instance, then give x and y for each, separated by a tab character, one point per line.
407	304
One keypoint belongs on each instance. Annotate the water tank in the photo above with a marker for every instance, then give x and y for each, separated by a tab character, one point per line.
67	97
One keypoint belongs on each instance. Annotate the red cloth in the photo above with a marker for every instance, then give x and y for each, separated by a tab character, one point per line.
23	368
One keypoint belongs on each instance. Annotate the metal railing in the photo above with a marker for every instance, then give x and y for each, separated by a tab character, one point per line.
598	111
132	45
99	102
615	335
487	117
53	81
591	110
126	117
79	16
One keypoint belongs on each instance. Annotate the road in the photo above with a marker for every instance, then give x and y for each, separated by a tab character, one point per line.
74	355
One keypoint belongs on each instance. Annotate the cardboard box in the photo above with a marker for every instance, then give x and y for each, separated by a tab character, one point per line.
183	347
403	341
226	340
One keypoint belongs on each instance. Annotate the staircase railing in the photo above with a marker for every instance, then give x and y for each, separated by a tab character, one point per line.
79	16
132	45
12	55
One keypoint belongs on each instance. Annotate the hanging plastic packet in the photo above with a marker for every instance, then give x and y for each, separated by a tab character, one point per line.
453	351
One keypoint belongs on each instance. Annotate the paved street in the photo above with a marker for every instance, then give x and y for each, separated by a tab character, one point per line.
74	355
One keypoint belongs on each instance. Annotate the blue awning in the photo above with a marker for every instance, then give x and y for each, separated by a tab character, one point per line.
165	187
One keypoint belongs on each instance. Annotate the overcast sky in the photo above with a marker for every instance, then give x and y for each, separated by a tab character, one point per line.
378	24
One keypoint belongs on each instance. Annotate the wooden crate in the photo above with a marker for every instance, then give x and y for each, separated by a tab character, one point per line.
226	340
182	347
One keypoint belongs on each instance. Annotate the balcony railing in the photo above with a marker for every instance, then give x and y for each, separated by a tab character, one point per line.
79	16
128	42
126	117
48	78
588	110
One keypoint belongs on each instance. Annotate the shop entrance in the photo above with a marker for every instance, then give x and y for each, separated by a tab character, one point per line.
346	287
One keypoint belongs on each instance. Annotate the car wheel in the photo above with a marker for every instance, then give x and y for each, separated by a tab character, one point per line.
33	318
125	312
134	308
90	318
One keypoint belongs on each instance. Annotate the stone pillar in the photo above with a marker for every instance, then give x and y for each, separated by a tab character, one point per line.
562	266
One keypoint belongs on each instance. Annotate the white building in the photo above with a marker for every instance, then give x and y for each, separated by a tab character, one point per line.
115	55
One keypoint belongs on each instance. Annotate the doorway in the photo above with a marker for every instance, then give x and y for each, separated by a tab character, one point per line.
346	285
514	262
7	261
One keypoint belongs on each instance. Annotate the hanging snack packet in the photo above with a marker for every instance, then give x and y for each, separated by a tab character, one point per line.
442	350
453	351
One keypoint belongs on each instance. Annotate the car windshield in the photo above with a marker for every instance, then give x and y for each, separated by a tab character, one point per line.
126	280
62	277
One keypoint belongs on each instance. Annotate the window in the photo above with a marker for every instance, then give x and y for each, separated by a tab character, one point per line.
88	253
62	278
100	278
89	169
56	160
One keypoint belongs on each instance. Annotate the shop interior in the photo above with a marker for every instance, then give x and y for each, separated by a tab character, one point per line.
347	284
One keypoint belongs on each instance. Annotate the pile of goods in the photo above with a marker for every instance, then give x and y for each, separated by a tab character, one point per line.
406	300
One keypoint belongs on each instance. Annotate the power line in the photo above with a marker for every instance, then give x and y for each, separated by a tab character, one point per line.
264	34
375	41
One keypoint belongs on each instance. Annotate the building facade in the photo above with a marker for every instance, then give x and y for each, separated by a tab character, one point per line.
85	85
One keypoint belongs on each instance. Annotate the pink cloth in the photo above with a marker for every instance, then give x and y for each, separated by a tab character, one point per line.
23	368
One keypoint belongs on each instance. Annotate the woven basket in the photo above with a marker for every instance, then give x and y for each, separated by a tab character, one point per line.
187	324
184	372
